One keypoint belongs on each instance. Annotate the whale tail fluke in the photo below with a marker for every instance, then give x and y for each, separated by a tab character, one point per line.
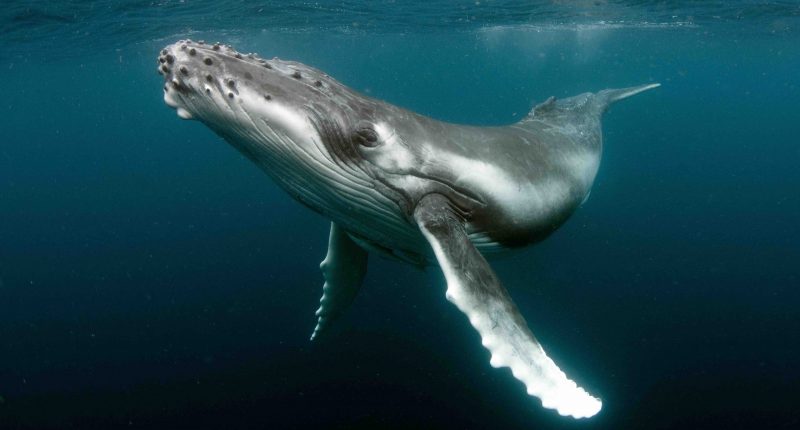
603	99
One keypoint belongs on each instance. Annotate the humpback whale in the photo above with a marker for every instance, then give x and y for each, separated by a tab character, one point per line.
402	185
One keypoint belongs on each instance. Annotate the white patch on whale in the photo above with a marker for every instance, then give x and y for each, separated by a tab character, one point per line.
522	199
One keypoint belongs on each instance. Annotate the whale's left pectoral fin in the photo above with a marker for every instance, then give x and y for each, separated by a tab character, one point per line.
474	288
344	268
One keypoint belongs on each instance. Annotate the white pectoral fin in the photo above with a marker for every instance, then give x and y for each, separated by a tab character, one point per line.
343	268
474	288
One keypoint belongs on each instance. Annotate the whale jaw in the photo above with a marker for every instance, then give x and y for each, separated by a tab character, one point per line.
270	111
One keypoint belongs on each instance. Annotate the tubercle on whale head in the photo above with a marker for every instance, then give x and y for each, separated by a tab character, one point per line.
221	87
202	79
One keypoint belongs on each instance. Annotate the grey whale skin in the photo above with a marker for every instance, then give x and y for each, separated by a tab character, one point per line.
406	186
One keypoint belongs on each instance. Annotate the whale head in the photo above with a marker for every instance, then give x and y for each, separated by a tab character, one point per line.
299	125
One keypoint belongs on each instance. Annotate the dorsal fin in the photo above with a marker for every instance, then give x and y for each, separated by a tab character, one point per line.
544	107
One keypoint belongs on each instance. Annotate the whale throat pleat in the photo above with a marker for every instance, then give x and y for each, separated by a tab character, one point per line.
474	288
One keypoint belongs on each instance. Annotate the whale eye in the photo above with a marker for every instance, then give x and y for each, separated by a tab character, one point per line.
365	135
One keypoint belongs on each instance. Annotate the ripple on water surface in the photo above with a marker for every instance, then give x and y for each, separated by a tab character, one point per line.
65	27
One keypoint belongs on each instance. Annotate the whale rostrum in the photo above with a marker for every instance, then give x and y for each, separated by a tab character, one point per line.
405	186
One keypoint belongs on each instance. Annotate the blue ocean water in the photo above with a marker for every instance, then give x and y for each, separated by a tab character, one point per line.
151	277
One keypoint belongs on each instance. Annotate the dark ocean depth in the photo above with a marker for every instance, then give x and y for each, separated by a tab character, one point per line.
152	277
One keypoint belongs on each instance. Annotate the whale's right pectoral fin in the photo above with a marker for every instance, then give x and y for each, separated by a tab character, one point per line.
474	288
344	268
